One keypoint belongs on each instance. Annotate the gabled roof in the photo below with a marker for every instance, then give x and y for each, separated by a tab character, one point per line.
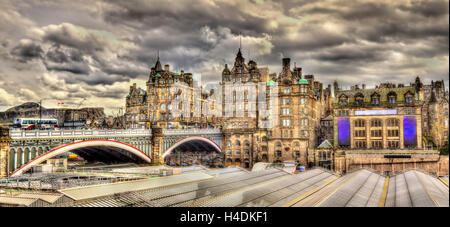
325	145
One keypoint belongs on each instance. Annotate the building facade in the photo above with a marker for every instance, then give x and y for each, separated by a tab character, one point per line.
283	117
279	123
383	128
136	108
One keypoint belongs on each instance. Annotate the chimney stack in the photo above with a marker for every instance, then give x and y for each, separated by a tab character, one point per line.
287	63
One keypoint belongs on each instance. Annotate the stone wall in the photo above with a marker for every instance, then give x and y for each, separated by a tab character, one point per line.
432	163
5	142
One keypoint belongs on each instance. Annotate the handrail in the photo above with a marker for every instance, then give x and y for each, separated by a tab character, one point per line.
16	134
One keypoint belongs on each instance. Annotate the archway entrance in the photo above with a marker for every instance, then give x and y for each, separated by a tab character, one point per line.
194	150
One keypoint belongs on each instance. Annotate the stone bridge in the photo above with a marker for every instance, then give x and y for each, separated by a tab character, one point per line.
22	150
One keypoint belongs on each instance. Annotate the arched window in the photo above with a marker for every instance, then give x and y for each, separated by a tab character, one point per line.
343	100
278	144
228	152
228	143
163	106
359	99
238	143
392	97
296	144
246	143
375	99
238	152
409	98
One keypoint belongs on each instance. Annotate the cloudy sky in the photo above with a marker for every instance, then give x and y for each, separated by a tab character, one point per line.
70	50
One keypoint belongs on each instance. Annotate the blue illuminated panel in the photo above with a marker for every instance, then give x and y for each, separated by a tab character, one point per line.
344	131
375	112
410	131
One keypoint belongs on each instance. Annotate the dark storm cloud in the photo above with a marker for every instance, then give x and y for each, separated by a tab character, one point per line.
184	16
94	49
65	60
71	36
434	8
26	51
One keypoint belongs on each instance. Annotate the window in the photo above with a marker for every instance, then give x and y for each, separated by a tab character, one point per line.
410	111
360	144
376	133
392	122
376	123
278	153
228	143
375	99
360	133
392	97
303	89
287	91
304	122
163	106
359	99
228	152
343	100
360	123
296	144
408	98
246	143
246	152
393	144
286	101
238	152
286	122
377	144
238	143
286	111
392	133
278	144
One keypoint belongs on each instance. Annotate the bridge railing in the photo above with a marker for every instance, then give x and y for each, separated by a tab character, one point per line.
190	131
17	134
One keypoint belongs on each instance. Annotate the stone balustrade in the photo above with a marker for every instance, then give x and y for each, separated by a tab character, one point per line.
20	134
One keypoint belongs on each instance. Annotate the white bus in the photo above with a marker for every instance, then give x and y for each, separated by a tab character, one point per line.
32	123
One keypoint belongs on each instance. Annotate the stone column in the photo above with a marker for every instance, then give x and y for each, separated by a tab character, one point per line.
401	131
419	130
157	139
5	142
367	124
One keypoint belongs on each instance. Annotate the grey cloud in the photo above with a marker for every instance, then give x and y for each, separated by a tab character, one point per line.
26	51
349	41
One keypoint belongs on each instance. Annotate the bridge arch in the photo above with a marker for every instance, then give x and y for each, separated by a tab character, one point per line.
193	142
92	149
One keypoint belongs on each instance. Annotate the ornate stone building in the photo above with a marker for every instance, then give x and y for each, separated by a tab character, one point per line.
382	128
136	108
435	115
288	132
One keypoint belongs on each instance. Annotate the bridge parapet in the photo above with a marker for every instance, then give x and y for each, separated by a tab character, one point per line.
174	132
24	134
